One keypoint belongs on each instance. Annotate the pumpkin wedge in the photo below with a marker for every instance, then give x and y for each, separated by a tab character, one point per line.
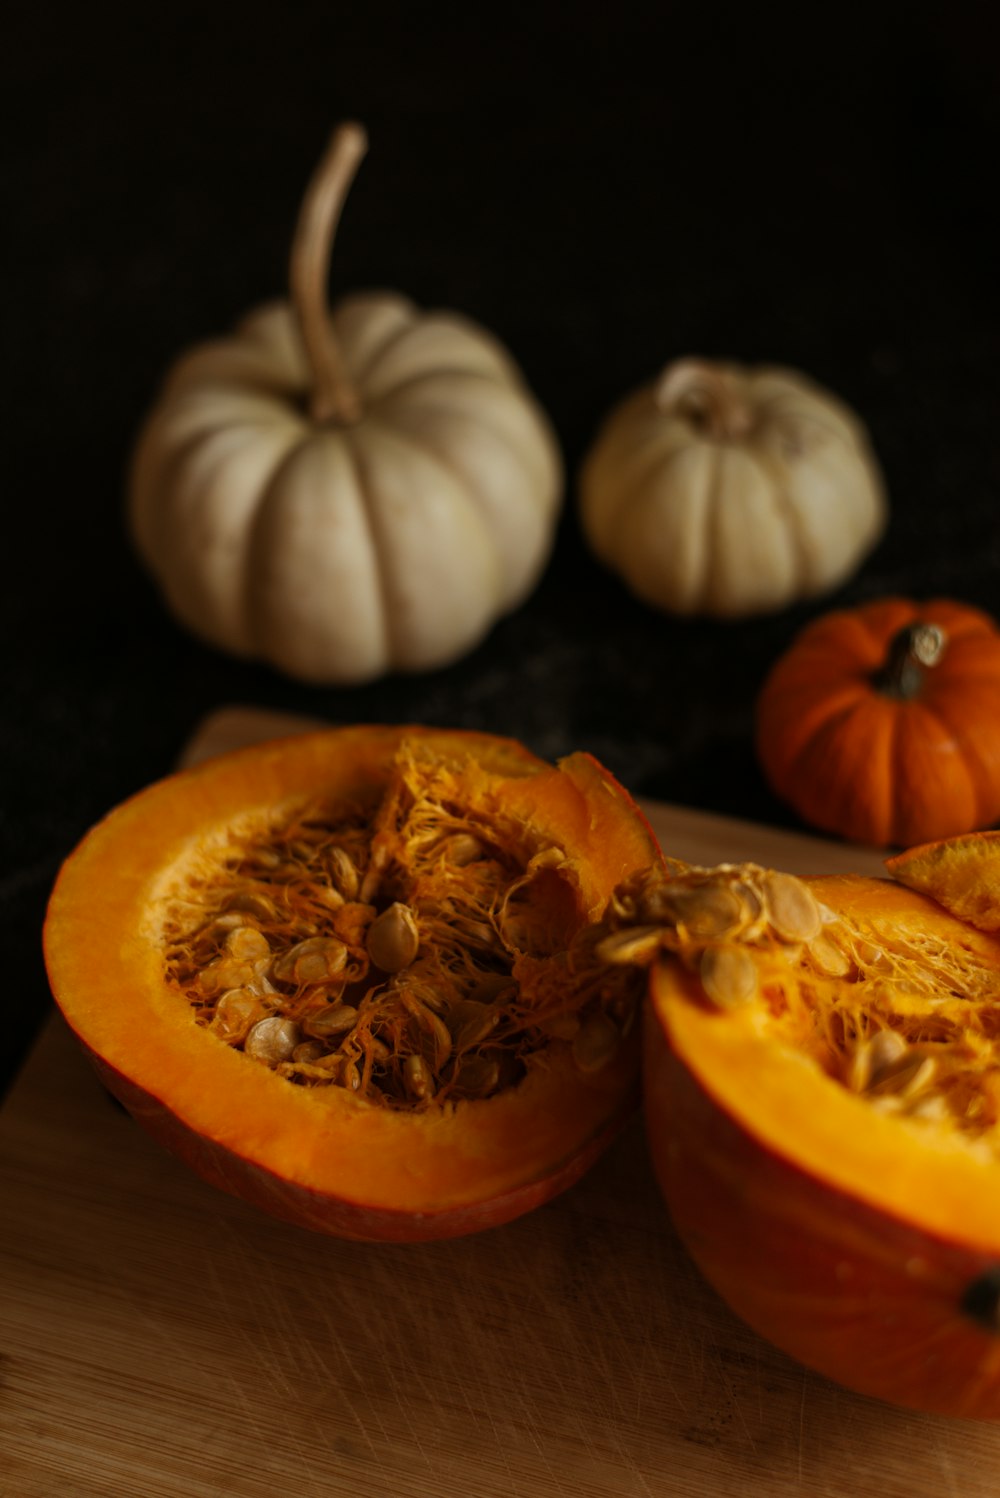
350	976
821	1067
960	873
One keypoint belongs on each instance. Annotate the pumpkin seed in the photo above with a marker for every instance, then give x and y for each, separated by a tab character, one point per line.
220	927
328	895
827	957
875	1055
247	944
254	902
461	849
418	1079
266	859
907	1077
315	960
372	877
333	1019
344	874
348	1075
272	1040
752	908
650	906
887	1066
246	950
480	934
393	939
728	975
308	1051
706	912
429	996
235	1012
432	1026
636	947
791	907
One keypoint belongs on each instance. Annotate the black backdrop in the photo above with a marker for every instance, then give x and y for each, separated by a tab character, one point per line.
606	188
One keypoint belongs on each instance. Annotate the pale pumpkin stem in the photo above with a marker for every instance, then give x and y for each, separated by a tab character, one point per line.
333	396
912	652
708	395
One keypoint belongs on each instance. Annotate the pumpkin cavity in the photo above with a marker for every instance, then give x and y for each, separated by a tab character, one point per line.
900	1012
413	943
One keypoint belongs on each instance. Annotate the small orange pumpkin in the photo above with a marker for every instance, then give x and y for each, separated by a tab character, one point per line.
822	1100
882	723
348	976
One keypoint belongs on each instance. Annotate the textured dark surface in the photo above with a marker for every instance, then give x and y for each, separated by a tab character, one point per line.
605	191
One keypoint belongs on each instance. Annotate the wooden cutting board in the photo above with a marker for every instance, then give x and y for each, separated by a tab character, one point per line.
161	1340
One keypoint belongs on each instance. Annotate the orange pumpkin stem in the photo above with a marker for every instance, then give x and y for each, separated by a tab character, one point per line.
334	398
708	396
912	652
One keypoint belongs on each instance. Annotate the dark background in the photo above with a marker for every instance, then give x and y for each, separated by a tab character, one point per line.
606	189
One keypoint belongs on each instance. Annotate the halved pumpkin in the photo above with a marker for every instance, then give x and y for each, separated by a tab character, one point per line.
822	1096
350	976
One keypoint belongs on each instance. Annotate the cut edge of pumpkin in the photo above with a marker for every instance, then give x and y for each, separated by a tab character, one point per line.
938	1181
800	1115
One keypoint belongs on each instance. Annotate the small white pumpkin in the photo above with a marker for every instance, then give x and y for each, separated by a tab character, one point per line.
728	491
345	494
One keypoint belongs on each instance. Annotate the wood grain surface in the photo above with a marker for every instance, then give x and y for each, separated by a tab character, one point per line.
161	1340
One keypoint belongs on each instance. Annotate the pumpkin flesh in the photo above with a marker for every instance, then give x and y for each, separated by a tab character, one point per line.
368	1163
851	1216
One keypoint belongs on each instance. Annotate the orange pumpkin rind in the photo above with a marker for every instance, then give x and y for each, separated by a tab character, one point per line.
822	1100
321	1156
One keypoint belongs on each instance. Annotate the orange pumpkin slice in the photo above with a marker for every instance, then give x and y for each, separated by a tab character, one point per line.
960	873
822	1095
349	976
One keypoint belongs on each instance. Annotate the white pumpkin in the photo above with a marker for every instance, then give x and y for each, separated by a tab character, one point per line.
728	491
345	494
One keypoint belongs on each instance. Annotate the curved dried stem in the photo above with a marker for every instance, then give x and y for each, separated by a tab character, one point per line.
708	395
333	396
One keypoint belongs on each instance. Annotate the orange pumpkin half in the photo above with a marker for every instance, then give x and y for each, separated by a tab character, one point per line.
349	976
822	1095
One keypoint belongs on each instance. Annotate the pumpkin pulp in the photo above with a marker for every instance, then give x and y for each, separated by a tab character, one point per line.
349	976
